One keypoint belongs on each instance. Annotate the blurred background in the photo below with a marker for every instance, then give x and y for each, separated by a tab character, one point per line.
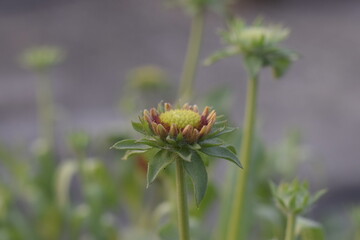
105	39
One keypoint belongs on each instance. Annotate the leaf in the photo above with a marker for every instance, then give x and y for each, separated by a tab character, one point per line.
152	143
226	52
309	229
198	175
129	153
222	152
221	131
130	144
139	127
160	161
184	153
212	142
317	196
65	172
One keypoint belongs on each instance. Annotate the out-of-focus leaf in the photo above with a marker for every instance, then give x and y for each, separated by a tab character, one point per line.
309	230
64	174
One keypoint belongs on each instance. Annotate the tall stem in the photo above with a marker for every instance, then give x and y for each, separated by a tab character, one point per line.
45	109
237	215
290	226
192	57
183	217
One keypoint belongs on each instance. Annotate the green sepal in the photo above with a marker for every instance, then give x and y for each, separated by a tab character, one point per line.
170	140
129	153
195	146
130	144
222	152
253	65
184	153
160	161
198	175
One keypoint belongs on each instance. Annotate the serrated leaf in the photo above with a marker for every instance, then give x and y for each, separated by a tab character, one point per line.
184	153
198	175
222	152
129	153
130	144
160	161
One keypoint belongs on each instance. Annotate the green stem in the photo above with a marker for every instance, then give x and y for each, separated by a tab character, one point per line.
290	227
183	217
192	57
45	109
238	205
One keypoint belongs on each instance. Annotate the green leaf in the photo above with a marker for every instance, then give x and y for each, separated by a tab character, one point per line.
226	52
160	161
220	131
184	153
130	144
198	175
139	127
309	229
129	153
152	143
212	142
65	172
222	152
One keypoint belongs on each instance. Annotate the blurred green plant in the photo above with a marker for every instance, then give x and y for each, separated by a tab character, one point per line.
41	60
293	199
258	45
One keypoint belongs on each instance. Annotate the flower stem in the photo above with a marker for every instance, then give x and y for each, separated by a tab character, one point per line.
192	57
290	227
238	205
183	217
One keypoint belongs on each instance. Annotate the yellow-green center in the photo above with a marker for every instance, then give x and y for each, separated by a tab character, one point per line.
181	118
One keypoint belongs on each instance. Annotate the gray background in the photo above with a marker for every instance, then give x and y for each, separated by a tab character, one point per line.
104	39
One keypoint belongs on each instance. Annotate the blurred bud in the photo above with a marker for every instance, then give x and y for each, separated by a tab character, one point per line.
42	58
147	78
294	197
